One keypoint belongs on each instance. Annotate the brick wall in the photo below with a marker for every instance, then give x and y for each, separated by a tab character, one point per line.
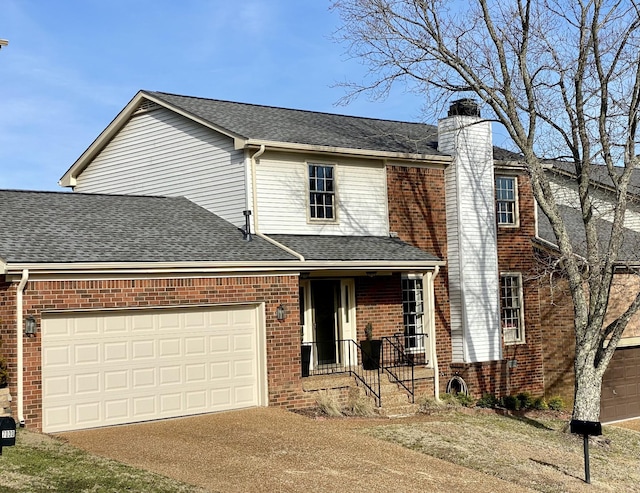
283	338
556	319
417	213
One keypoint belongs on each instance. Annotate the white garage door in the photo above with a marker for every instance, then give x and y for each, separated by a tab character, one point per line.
107	368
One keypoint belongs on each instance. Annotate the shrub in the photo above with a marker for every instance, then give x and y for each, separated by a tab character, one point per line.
526	400
539	404
4	372
556	403
465	400
359	404
328	403
489	401
511	402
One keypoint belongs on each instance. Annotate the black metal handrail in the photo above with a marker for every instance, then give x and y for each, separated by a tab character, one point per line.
343	356
397	364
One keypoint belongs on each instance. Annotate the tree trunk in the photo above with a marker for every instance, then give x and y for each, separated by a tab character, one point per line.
588	390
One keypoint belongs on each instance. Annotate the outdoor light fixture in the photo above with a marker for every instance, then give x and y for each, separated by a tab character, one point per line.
281	313
30	326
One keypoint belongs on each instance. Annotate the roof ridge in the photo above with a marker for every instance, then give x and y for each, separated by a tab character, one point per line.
291	109
90	194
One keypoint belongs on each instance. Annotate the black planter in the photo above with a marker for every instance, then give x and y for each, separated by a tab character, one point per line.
371	354
305	359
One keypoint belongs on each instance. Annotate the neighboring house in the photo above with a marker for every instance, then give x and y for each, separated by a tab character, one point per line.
621	383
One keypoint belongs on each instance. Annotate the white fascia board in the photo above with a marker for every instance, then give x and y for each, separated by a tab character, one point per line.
3	267
342	151
69	178
178	268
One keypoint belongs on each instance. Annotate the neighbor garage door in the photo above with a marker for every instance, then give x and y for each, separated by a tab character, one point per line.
114	367
621	386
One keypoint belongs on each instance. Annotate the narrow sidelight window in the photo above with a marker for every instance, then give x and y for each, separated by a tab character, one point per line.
511	309
413	311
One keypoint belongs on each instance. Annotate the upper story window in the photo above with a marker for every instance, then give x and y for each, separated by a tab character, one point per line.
507	200
322	192
511	308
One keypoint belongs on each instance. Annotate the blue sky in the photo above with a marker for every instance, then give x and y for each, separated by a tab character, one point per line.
72	65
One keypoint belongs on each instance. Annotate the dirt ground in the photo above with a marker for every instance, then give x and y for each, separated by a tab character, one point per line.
272	450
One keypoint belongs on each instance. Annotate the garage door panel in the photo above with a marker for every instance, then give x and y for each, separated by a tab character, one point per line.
113	368
56	356
621	386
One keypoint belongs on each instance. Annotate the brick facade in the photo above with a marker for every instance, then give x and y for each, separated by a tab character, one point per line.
282	337
417	214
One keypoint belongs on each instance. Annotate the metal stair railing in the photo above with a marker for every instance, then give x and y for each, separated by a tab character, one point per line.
398	364
344	356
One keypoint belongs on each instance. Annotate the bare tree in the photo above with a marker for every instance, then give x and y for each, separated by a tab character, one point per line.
563	78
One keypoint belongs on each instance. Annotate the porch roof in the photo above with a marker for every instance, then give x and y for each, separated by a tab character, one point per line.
354	248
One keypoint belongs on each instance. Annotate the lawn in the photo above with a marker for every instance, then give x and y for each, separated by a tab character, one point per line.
529	451
39	463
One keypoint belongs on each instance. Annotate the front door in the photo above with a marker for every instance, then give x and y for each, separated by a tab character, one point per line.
325	300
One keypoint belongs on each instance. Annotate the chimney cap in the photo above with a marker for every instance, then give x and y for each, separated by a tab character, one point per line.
464	107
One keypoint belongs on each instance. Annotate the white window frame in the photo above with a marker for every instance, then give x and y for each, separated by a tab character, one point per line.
512	333
414	344
334	194
510	205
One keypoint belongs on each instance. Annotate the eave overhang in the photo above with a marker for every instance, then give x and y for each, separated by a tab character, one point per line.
168	269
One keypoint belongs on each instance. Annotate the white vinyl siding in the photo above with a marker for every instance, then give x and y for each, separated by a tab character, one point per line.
565	193
472	240
283	197
162	153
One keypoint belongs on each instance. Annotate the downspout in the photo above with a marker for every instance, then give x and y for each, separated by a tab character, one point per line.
436	372
254	193
19	339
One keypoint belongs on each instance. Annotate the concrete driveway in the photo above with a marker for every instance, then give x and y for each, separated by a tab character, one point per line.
272	450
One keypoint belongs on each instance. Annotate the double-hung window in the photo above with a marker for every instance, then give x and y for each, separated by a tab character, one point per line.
507	200
413	311
322	192
511	308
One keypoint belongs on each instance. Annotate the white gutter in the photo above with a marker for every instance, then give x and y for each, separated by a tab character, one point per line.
19	339
254	192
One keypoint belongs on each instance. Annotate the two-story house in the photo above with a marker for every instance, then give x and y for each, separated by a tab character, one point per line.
332	189
425	234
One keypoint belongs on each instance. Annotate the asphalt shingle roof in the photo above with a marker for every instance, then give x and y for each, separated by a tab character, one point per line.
353	248
575	226
56	227
308	127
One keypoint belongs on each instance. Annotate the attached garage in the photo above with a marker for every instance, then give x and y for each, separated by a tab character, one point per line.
621	386
112	367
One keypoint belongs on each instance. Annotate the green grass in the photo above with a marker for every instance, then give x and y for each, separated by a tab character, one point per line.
39	463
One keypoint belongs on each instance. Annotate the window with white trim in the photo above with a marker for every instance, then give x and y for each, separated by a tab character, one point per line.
507	200
413	311
322	192
511	308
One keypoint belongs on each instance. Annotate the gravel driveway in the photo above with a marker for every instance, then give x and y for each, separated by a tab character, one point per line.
272	450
